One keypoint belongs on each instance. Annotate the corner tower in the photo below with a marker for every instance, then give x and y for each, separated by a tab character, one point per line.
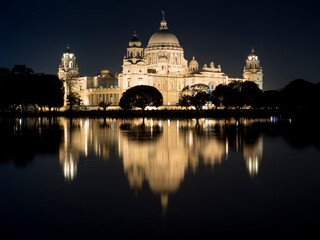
68	65
252	70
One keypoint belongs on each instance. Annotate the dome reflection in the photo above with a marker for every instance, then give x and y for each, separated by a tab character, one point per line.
159	152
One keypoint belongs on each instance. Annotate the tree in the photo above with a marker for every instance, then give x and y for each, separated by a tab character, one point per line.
185	101
250	93
56	92
104	105
237	94
5	102
73	99
37	90
219	95
298	94
196	95
271	99
199	100
21	70
141	97
71	83
234	96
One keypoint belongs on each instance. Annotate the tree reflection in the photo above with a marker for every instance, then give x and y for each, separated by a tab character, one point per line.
23	138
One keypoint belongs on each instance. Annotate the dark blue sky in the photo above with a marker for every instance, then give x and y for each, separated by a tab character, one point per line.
285	34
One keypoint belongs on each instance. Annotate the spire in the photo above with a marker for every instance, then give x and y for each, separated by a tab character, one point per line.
163	23
134	34
252	51
163	15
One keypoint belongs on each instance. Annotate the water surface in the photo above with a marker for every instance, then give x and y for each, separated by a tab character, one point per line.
93	178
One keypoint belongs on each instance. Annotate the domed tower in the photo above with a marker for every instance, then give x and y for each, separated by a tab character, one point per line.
135	50
68	65
163	53
193	65
134	70
252	70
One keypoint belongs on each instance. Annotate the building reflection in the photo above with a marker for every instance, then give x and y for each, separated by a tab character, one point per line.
83	137
159	152
252	154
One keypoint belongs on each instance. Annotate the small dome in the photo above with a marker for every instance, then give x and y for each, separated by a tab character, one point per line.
135	42
194	62
193	65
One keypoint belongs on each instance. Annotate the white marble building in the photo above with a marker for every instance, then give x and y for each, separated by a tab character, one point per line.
161	64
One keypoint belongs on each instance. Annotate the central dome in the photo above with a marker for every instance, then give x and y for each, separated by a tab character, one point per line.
163	38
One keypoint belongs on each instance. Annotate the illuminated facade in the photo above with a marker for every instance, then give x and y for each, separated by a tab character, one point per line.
161	65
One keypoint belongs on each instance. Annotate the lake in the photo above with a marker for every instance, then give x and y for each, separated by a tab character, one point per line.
89	178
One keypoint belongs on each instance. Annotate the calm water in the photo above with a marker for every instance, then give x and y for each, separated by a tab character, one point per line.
102	178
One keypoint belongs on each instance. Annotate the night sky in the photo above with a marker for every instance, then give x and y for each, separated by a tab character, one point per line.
285	34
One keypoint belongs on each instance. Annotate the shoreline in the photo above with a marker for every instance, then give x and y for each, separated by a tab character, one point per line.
175	114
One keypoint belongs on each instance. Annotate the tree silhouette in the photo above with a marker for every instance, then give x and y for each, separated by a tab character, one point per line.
219	95
196	95
21	88
73	97
250	93
237	94
141	97
271	99
298	94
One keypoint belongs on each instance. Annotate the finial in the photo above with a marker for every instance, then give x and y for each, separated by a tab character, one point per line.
135	33
68	48
193	58
163	23
252	50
